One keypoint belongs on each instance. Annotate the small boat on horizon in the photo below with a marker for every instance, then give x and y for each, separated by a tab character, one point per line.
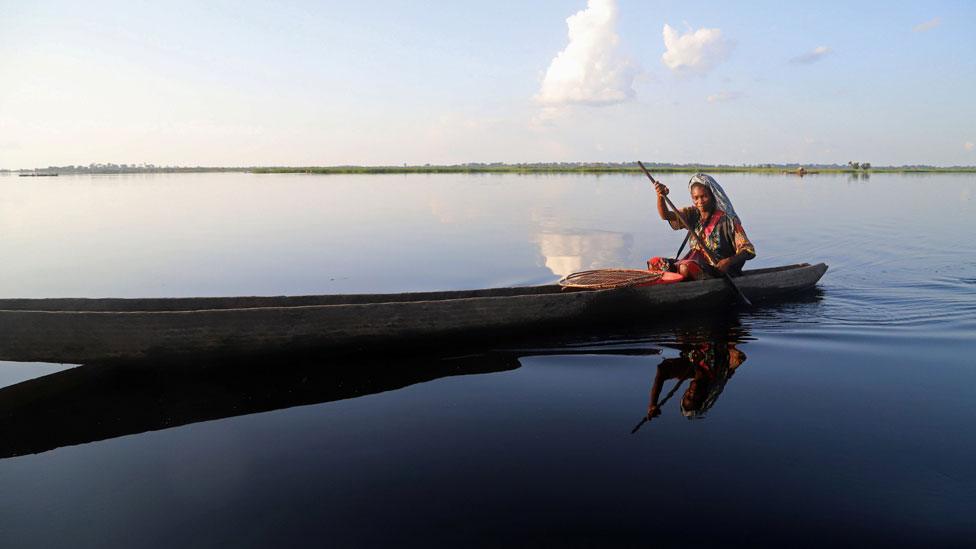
801	171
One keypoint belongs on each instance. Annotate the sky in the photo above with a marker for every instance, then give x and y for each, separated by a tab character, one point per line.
391	82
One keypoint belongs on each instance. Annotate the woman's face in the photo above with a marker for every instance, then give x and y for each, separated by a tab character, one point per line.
702	198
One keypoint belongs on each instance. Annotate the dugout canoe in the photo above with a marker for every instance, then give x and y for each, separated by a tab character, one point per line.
84	331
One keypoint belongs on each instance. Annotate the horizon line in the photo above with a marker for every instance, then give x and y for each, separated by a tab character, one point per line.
616	165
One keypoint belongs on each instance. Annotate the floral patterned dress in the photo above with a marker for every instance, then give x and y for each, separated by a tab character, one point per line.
724	237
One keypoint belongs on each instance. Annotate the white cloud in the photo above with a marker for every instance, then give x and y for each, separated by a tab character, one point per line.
969	145
927	25
590	70
723	96
817	54
697	50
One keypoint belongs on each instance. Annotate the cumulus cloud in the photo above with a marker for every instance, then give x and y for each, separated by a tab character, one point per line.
590	70
723	96
817	54
927	25
969	145
698	50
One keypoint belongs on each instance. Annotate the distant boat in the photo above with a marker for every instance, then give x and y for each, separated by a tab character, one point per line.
801	171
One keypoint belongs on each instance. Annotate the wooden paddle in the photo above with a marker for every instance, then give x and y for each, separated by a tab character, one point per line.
700	240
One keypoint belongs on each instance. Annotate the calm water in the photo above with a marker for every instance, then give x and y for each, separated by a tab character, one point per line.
845	417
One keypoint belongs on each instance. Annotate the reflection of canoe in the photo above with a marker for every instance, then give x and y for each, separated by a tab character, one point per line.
98	402
90	403
98	330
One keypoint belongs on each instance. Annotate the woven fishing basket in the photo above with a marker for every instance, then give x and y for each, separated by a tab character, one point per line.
605	279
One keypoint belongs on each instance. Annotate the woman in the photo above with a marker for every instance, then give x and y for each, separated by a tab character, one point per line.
714	219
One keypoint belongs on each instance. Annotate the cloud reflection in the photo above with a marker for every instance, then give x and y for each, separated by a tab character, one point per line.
569	252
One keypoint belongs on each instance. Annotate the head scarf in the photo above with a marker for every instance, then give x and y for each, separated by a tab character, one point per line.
722	201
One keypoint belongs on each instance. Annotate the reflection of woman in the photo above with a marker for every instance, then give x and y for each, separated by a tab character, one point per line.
715	220
708	365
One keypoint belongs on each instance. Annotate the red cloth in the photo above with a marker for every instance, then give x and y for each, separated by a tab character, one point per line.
692	262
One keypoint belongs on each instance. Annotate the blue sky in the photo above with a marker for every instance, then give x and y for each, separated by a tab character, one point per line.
391	82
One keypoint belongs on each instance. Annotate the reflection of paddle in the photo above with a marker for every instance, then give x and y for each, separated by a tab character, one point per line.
700	240
662	403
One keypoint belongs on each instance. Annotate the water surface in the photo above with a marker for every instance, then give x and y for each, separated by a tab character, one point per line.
841	417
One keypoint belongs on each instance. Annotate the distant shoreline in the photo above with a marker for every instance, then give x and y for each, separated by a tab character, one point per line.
534	168
597	169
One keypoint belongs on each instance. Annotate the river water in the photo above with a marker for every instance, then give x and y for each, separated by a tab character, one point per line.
842	417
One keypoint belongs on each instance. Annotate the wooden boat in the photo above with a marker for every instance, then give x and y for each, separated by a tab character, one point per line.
800	172
80	331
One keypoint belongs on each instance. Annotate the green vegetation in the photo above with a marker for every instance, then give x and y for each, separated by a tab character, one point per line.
501	168
125	168
854	166
618	167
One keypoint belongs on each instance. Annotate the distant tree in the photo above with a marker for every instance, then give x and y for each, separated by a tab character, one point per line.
865	165
854	165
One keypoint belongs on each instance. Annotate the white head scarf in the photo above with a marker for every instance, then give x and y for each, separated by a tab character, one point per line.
722	201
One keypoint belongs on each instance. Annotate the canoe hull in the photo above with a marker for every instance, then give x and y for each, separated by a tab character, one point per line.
91	330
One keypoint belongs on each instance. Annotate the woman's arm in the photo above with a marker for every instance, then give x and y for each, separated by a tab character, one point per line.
734	262
662	206
744	250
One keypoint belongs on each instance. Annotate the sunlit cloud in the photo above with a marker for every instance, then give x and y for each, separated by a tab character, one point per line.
927	25
817	54
969	145
723	96
590	70
694	51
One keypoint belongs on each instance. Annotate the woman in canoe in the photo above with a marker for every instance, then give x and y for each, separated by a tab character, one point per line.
714	219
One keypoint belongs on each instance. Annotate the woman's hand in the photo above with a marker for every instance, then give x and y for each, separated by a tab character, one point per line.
662	206
731	263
